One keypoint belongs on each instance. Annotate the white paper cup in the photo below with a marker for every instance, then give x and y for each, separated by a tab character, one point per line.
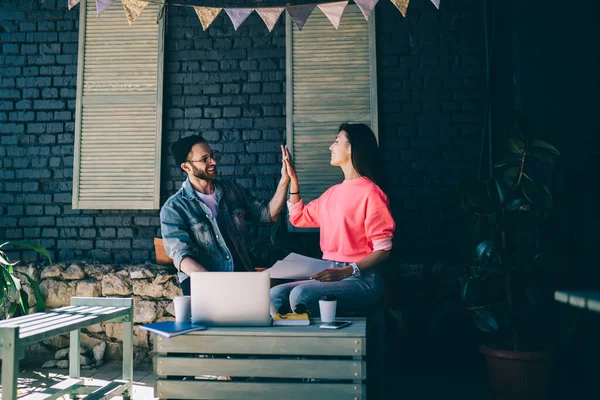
327	309
183	308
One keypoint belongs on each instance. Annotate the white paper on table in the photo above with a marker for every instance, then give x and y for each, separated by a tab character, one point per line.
296	266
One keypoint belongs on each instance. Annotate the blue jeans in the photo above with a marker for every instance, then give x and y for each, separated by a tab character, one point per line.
353	294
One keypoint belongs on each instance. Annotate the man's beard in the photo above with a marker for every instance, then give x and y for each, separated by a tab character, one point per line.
206	175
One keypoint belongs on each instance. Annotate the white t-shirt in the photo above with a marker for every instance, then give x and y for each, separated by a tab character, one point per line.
210	200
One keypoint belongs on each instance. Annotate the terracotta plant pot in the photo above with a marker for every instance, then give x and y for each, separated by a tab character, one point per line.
516	375
161	255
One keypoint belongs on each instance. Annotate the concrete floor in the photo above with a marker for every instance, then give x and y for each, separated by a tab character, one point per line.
396	385
35	380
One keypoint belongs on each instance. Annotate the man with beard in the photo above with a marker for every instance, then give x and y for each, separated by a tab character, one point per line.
202	224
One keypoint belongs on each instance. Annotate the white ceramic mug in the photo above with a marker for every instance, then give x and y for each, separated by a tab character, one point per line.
183	308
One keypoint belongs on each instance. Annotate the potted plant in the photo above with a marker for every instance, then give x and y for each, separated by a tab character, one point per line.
13	297
507	286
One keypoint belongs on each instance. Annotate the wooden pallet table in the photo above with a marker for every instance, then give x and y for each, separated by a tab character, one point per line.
277	362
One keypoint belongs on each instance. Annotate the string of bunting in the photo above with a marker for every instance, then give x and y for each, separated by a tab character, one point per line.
269	15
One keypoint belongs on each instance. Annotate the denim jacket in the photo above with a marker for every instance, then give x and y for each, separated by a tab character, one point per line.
189	229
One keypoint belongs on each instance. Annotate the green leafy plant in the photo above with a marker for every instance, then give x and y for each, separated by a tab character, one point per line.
13	296
507	283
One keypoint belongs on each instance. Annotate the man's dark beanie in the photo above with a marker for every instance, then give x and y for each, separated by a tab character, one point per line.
181	148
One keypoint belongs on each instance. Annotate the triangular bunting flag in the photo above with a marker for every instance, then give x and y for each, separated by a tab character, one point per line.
73	3
207	15
436	3
401	5
133	9
238	15
334	11
102	5
270	16
299	14
366	6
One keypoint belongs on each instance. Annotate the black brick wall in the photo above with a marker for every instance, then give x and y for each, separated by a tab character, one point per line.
431	72
230	86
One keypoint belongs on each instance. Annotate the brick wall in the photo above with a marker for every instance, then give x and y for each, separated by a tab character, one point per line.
431	68
230	86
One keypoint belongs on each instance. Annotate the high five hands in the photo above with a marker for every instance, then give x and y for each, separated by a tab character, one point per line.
288	172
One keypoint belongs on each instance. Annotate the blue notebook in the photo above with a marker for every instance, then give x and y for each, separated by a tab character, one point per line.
170	329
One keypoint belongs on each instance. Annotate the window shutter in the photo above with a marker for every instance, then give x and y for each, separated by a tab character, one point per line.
119	109
331	79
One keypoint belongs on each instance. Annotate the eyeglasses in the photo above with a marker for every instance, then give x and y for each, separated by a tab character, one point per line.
214	156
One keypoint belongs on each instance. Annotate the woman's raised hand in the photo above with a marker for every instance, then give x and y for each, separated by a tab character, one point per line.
290	171
285	177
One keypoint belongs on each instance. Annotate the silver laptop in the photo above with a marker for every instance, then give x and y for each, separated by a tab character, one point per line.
230	298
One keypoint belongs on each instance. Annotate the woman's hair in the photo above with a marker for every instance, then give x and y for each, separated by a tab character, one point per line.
366	159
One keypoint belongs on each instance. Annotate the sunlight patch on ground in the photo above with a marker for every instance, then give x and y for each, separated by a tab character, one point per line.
38	381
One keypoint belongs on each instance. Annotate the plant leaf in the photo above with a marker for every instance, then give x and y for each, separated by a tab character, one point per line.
465	288
502	188
24	301
484	250
514	204
516	146
4	261
510	160
530	191
511	174
37	248
493	192
13	309
37	292
471	291
484	320
16	281
3	290
542	154
545	145
8	281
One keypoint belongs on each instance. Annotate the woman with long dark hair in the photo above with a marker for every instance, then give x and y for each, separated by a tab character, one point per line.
356	228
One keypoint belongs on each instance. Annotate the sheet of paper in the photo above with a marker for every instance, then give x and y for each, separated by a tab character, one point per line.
300	257
296	266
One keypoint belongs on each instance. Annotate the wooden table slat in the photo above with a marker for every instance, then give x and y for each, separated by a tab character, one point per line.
66	321
81	321
26	319
269	345
233	390
261	367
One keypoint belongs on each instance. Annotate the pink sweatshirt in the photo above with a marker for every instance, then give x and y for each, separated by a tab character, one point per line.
354	217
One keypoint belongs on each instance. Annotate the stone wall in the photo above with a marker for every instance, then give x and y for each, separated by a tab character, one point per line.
151	287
